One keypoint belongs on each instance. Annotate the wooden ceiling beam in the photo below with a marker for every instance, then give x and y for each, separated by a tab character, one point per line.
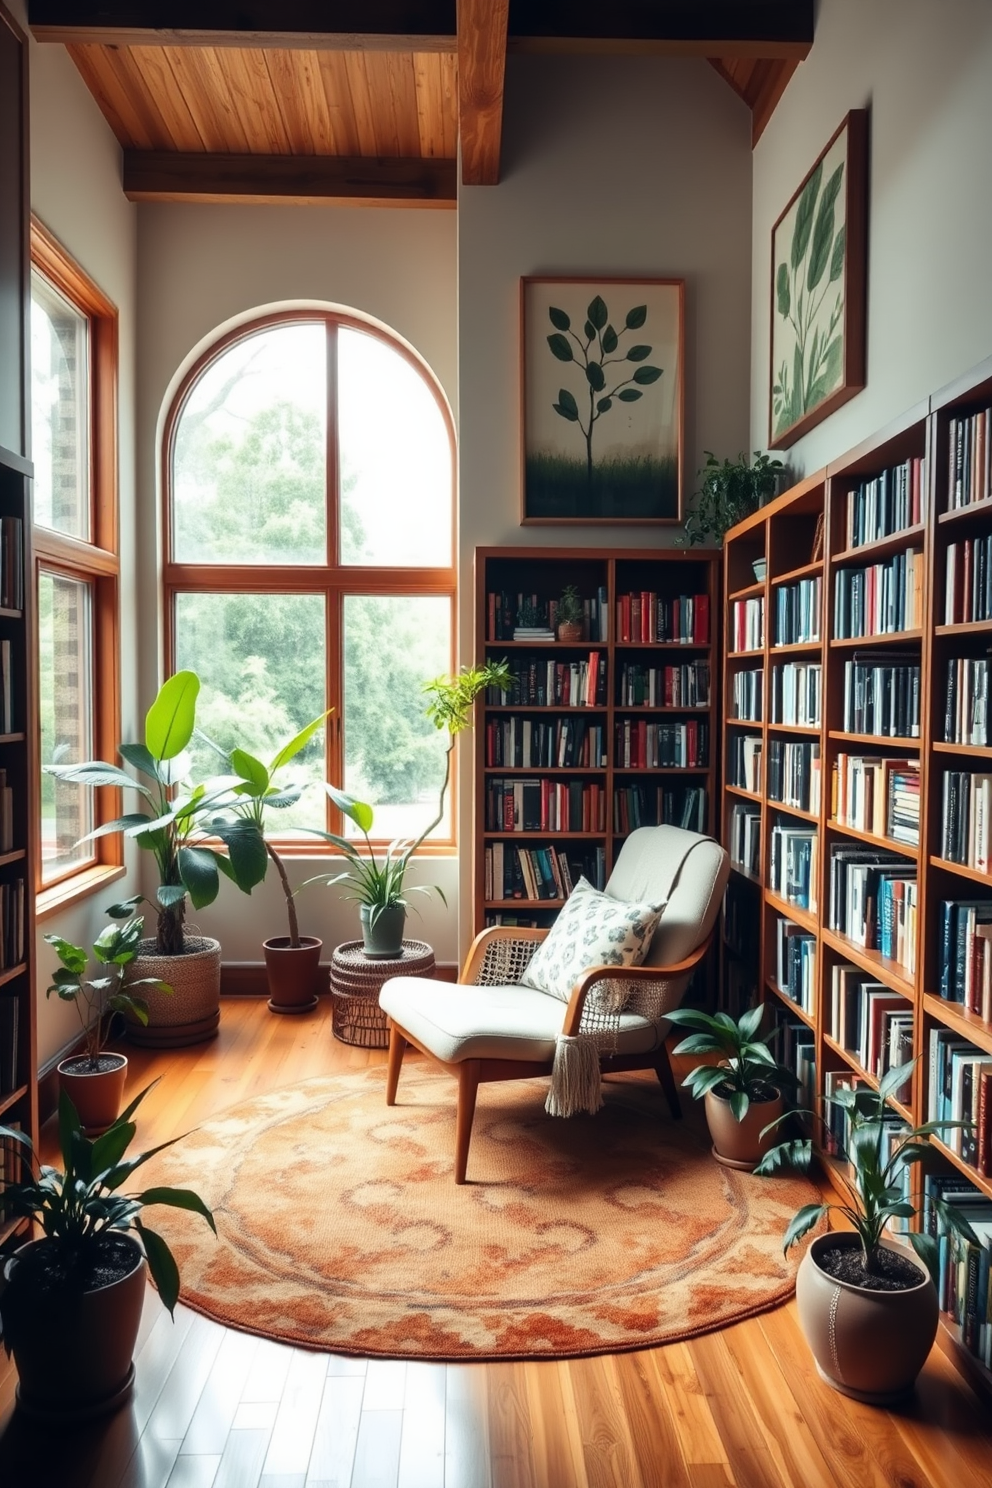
481	68
168	175
760	84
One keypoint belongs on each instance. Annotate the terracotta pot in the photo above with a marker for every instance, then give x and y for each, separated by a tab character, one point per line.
570	630
292	973
192	1013
383	939
870	1345
739	1144
79	1367
96	1094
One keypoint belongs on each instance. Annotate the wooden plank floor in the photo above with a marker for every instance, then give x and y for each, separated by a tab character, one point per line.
217	1409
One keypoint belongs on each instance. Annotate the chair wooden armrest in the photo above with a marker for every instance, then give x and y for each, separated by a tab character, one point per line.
588	979
485	938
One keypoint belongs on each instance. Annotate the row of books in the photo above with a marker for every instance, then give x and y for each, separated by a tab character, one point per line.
964	1270
6	814
544	805
796	612
871	1022
793	1043
873	902
650	806
11	923
795	963
542	683
641	745
965	929
645	617
748	695
744	761
526	873
968	595
745	836
877	795
747	625
970	448
684	686
792	866
960	1089
966	707
10	1014
796	690
882	695
10	1169
966	819
536	616
8	712
11	563
882	599
886	504
532	743
794	774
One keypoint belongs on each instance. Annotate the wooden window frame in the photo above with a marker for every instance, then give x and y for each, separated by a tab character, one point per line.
333	580
95	563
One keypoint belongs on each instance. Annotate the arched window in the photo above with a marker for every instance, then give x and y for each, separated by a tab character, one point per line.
309	557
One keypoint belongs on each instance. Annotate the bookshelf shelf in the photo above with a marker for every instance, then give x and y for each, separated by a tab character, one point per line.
805	571
13	738
858	1068
11	973
876	741
981	510
742	655
803	730
905	849
969	1025
795	648
17	856
804	917
745	795
973	627
745	873
12	1098
895	542
751	591
961	870
793	1006
809	816
8	614
893	639
979	751
892	973
666	602
973	1175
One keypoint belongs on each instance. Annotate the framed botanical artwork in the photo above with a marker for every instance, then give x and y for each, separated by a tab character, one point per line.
818	290
602	395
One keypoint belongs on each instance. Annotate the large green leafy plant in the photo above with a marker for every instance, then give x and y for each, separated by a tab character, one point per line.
80	1209
875	1195
740	1067
115	948
730	490
180	821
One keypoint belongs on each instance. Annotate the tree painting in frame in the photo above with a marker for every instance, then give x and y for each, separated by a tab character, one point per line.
602	400
818	289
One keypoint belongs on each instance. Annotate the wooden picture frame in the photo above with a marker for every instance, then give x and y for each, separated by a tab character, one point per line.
819	288
602	400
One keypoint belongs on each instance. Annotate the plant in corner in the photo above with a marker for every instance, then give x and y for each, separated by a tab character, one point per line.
868	1312
71	1301
378	883
94	1080
729	491
179	823
742	1084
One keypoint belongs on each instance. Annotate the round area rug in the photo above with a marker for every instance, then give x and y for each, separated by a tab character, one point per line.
341	1227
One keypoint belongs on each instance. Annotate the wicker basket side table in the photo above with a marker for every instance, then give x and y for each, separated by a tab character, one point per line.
356	1017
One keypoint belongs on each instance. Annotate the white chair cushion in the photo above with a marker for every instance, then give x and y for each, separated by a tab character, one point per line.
593	929
695	896
456	1022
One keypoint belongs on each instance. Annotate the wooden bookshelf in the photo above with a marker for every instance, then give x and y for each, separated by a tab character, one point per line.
606	576
782	533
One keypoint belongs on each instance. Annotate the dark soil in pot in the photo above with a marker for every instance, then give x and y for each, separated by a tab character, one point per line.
894	1273
53	1274
103	1064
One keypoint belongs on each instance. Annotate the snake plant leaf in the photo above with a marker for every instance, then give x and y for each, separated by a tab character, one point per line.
823	238
802	1222
804	216
162	1265
837	256
170	719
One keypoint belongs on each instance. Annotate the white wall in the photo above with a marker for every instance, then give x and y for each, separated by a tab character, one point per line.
75	190
612	166
202	267
925	72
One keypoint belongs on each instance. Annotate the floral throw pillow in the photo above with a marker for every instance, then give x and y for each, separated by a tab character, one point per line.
591	930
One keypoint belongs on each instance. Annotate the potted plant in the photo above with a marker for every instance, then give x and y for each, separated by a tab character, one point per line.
377	883
94	1080
729	491
868	1312
71	1301
291	961
742	1084
178	825
570	614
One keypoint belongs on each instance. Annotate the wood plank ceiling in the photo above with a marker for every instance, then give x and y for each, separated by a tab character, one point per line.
368	100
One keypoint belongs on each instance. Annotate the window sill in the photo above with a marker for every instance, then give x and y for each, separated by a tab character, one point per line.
89	881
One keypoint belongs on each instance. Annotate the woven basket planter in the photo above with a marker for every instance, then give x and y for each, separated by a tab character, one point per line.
191	1014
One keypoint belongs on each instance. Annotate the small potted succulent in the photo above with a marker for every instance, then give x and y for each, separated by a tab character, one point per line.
742	1083
570	614
730	490
868	1312
94	1080
71	1301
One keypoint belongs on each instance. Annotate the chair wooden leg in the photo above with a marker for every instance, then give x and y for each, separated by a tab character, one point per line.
397	1048
663	1069
468	1089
